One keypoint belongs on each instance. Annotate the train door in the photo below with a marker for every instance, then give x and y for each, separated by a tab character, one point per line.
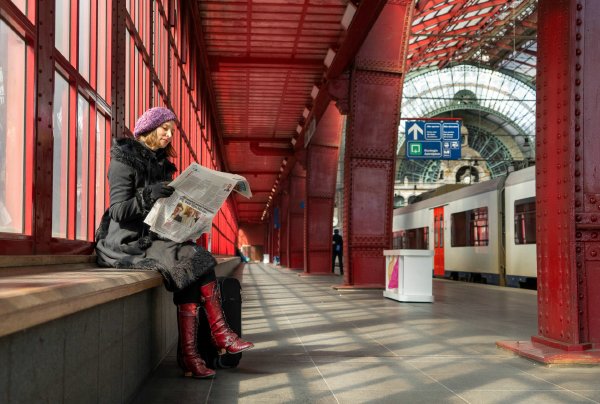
438	241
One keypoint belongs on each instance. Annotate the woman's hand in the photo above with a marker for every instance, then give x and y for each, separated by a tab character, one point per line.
160	190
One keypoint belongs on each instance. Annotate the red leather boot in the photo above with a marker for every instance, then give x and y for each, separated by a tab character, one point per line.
187	354
222	336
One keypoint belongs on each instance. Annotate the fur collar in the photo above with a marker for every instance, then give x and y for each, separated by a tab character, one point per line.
134	154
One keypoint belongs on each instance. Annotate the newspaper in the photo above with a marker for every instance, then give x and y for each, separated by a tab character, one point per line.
189	211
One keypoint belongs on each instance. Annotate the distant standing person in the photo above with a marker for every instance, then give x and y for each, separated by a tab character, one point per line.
338	251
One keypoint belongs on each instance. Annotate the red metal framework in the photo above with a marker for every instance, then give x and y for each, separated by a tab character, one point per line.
82	103
264	59
493	33
159	72
322	159
567	189
72	94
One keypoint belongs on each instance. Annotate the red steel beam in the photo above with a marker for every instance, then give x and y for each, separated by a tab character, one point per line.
568	193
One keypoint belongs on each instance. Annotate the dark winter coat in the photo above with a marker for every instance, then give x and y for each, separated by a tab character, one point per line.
123	240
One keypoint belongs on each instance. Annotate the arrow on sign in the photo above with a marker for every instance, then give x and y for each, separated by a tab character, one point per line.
415	130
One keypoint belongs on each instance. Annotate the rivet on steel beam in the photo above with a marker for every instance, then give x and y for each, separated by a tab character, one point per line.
578	52
578	37
577	112
592	199
579	21
595	234
578	234
577	157
579	6
577	173
577	188
594	218
578	218
579	265
578	82
577	127
577	203
577	142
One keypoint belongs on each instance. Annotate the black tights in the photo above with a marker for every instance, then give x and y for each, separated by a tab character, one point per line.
191	294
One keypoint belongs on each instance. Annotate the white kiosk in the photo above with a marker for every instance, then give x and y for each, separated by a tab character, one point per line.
408	275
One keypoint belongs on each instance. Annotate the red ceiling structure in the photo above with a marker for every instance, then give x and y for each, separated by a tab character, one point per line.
269	61
264	59
495	33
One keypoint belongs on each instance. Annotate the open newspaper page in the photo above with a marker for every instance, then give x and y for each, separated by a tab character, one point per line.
199	194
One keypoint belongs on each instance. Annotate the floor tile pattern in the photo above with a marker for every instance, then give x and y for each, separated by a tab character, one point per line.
318	345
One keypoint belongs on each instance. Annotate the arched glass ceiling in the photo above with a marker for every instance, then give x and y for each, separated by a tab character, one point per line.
429	93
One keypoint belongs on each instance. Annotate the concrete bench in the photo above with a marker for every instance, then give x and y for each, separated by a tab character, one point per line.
74	332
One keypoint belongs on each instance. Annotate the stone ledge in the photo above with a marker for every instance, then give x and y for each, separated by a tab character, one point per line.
30	260
36	294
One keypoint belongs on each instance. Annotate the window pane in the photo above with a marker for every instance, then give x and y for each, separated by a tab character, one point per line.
458	229
84	39
128	122
102	49
60	162
479	226
525	221
21	5
62	27
100	166
470	228
412	239
83	125
12	129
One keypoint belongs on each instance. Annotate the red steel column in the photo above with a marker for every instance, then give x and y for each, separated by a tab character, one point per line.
567	186
276	223
296	216
371	138
269	235
118	68
284	246
321	173
44	73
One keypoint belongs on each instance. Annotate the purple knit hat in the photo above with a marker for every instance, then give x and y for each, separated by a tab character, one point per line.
152	119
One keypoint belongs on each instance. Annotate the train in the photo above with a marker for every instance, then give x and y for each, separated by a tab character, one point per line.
483	232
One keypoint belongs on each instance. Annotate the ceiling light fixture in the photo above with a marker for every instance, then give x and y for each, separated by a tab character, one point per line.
329	57
314	92
348	15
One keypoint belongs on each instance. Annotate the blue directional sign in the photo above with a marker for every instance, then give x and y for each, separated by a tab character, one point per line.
433	140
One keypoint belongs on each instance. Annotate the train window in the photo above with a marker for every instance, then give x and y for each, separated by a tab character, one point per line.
525	221
411	239
470	228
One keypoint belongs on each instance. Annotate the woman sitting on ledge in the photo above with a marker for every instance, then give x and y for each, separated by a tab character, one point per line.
138	175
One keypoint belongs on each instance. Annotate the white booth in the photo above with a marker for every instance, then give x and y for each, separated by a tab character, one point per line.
409	275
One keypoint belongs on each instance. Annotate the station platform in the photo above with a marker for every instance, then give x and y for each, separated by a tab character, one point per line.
315	344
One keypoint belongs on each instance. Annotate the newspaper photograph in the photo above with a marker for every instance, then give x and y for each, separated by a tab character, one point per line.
189	211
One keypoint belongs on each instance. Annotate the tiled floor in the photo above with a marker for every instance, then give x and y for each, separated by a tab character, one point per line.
318	345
